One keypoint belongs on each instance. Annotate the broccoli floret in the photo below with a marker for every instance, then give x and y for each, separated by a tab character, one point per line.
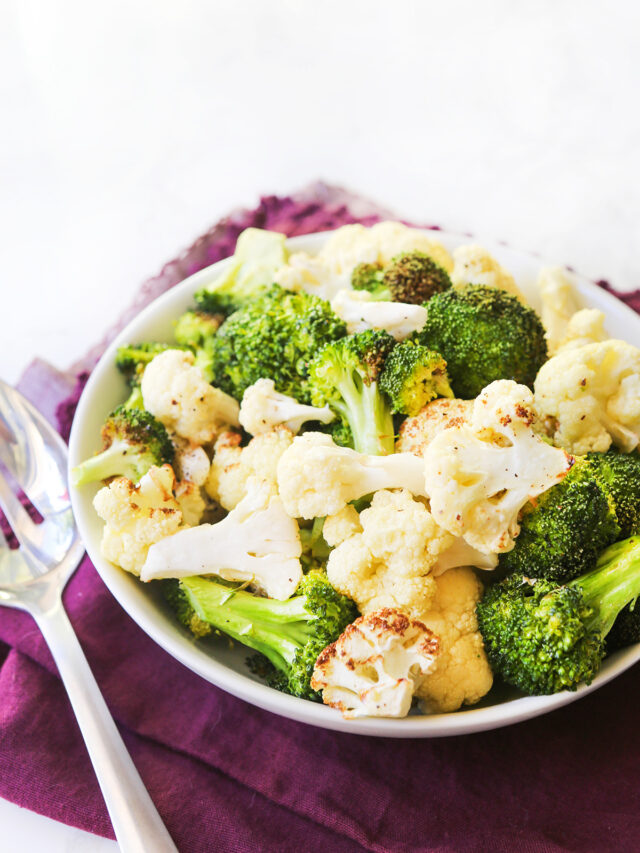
133	441
484	334
562	534
131	359
197	330
315	550
345	376
620	474
370	277
184	612
412	376
413	277
290	634
274	337
258	256
543	637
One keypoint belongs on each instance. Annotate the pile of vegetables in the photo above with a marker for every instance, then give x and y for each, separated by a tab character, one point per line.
383	473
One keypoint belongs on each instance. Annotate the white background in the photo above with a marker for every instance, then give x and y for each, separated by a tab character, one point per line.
128	128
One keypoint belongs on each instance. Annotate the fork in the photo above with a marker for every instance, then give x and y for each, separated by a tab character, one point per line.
33	458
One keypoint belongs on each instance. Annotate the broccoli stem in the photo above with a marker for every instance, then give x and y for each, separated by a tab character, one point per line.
275	628
614	583
364	409
114	461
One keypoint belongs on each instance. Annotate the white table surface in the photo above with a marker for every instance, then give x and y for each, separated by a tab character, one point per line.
130	127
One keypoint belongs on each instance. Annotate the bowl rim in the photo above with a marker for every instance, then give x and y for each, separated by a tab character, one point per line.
200	660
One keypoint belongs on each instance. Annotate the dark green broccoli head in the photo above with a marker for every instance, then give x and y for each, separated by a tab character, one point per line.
412	376
184	612
131	359
274	337
415	277
345	376
133	442
537	636
290	634
620	474
626	629
195	328
544	637
484	334
562	534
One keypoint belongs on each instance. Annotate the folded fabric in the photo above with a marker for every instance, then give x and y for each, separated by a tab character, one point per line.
227	776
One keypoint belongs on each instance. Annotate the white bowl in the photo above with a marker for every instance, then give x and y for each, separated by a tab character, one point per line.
225	667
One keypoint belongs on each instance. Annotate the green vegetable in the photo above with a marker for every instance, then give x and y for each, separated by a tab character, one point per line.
345	376
274	337
290	634
562	534
543	637
133	441
197	330
620	474
484	334
258	256
131	359
413	277
177	600
412	376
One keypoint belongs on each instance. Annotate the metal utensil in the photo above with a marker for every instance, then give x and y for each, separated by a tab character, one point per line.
33	458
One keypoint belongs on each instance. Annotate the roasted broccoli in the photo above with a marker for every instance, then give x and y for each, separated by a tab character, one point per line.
258	256
412	376
274	337
181	606
290	634
484	333
413	277
543	637
315	550
620	474
133	441
562	533
345	376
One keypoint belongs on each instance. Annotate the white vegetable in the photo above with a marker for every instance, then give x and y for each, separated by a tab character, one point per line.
479	475
176	393
474	265
416	432
360	312
593	394
375	666
318	478
191	462
257	542
558	304
263	408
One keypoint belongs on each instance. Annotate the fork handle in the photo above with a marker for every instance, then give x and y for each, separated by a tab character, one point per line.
137	825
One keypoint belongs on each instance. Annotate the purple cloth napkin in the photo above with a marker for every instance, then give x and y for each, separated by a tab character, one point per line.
227	776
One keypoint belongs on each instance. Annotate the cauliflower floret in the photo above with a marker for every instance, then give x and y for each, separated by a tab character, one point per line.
462	675
176	393
591	393
257	542
263	408
191	462
584	327
438	415
232	465
360	311
137	516
190	501
317	478
330	270
479	475
558	304
341	526
389	563
474	265
375	665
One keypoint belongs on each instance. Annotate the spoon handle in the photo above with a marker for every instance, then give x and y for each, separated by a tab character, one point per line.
137	825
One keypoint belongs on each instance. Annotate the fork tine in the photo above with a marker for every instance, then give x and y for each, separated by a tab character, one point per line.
24	528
